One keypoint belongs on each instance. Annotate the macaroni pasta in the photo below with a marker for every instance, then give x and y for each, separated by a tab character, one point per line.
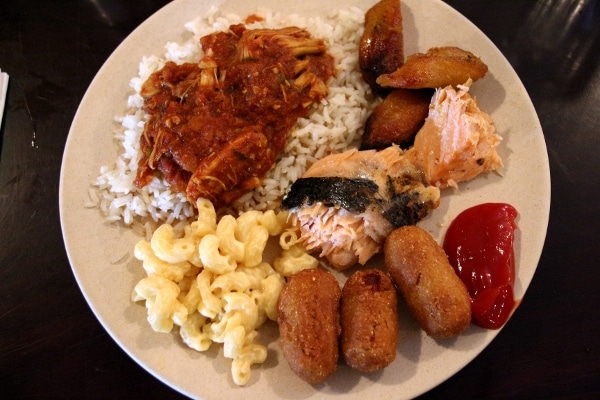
213	284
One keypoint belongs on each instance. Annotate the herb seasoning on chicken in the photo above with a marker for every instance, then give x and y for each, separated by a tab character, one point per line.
215	128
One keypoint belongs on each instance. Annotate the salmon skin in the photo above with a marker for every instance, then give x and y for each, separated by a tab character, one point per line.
356	195
346	204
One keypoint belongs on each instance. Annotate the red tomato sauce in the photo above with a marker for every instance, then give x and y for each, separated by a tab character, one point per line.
215	127
479	245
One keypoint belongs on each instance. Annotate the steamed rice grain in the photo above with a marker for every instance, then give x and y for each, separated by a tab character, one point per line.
334	126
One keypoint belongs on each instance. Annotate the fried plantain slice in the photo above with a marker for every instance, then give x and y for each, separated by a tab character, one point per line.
397	119
438	67
381	46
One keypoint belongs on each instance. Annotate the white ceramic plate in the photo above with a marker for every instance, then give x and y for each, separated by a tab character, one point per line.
101	254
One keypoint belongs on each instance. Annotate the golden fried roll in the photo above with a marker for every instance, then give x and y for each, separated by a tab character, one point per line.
369	316
381	46
397	119
431	289
439	67
309	324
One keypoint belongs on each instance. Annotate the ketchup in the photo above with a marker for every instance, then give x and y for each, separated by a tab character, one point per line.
479	245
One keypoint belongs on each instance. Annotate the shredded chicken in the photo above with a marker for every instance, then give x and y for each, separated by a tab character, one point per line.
216	127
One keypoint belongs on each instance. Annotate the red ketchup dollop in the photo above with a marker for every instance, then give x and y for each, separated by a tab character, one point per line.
479	245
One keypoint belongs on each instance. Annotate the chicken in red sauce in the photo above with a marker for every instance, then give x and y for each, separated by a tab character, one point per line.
215	128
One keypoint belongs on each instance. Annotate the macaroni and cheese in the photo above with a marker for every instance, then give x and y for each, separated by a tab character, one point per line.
213	284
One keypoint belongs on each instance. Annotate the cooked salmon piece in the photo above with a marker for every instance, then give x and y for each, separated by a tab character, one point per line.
457	142
346	204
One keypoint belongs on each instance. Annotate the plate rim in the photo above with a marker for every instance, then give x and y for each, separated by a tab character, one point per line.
72	136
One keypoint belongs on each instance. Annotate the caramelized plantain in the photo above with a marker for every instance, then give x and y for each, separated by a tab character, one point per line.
381	47
397	119
439	67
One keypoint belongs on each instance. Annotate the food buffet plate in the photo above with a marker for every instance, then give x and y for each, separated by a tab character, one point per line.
101	254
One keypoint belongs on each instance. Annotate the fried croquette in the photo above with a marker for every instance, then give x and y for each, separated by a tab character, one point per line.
369	318
309	324
433	292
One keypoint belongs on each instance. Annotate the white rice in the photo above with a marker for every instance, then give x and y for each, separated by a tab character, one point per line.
335	125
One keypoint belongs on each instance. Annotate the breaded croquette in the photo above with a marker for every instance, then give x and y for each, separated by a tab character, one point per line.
433	292
369	317
309	324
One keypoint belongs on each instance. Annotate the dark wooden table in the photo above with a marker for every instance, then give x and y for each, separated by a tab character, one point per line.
51	345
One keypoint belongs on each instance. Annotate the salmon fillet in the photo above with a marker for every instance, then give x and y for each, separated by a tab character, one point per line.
346	204
457	142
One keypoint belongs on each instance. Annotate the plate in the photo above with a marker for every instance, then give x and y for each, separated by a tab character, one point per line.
101	255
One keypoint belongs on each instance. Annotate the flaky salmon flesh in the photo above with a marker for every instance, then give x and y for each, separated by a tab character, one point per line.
346	204
458	141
